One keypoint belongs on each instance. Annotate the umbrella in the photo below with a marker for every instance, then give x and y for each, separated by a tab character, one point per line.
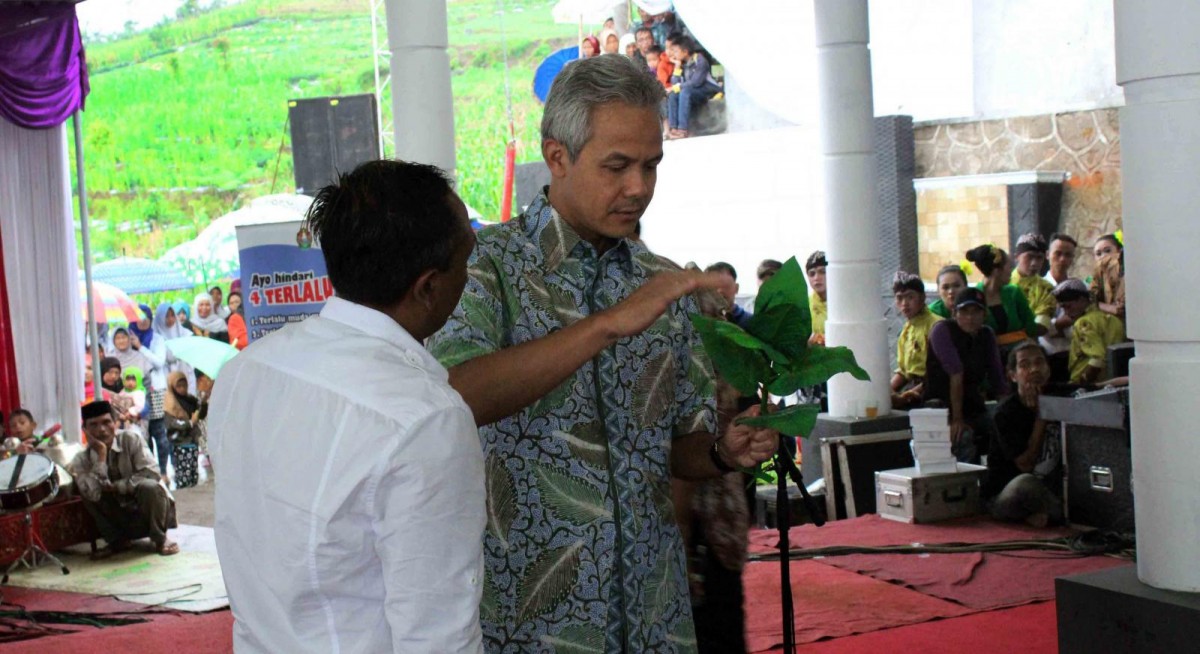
134	275
109	302
546	71
213	254
204	354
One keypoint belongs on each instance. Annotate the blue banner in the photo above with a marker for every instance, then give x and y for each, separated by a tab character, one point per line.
283	276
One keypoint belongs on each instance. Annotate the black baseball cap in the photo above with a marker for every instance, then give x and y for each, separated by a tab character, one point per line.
969	295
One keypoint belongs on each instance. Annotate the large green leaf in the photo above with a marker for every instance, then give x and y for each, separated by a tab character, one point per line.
786	288
785	326
744	368
815	366
797	420
739	336
569	498
548	580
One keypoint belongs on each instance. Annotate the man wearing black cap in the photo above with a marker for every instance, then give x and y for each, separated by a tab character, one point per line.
120	485
1092	332
963	355
814	268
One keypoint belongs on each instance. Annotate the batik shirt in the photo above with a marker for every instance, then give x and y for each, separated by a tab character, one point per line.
582	551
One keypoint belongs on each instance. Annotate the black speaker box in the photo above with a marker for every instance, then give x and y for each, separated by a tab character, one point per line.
331	136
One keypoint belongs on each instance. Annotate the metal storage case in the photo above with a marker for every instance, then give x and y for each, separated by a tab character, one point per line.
906	495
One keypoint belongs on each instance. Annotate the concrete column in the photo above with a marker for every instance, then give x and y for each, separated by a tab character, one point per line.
1160	142
422	104
846	114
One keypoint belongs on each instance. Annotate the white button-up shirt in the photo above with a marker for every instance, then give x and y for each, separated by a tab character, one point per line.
350	505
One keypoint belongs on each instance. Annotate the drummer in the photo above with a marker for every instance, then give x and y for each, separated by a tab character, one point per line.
120	485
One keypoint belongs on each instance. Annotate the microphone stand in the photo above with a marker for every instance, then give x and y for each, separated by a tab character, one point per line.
785	468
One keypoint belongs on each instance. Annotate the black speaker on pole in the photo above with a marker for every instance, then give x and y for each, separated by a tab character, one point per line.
331	136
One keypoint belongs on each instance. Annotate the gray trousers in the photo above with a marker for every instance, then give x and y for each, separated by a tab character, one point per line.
151	514
1024	496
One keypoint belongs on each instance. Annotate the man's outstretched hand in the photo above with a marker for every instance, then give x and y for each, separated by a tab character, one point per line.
743	446
636	313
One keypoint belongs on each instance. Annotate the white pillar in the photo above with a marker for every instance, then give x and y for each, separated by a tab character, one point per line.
1160	143
422	103
846	115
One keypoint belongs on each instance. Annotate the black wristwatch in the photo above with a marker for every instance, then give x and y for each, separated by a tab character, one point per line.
714	453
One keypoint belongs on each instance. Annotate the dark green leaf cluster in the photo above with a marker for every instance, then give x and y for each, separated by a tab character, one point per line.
772	354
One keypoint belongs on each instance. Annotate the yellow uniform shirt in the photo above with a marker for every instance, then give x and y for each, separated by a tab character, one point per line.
913	345
816	306
1040	294
1091	335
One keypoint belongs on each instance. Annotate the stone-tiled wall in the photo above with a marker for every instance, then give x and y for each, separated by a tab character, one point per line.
1087	144
951	221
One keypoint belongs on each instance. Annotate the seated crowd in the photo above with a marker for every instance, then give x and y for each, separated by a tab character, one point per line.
1027	329
662	44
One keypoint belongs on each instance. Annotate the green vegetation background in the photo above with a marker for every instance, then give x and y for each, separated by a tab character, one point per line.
185	121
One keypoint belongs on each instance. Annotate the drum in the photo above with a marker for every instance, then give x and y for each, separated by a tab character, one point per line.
27	480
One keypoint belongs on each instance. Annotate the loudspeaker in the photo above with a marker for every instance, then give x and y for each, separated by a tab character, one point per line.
331	136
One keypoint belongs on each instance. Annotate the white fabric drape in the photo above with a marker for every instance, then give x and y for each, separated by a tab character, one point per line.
41	269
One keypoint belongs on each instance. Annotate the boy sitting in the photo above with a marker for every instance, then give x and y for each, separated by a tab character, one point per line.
912	347
1024	473
1091	334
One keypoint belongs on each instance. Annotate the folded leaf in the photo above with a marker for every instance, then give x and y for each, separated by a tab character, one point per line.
815	366
787	287
797	420
741	337
742	367
786	327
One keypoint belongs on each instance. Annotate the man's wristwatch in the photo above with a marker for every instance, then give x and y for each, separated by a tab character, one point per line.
714	453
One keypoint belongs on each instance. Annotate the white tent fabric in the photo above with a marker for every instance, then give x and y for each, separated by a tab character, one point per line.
41	270
590	12
768	46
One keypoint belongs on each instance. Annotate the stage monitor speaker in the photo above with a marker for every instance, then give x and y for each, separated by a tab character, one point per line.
331	136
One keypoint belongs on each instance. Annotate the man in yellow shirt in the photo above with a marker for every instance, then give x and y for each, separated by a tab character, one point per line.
912	346
1030	255
815	269
1091	334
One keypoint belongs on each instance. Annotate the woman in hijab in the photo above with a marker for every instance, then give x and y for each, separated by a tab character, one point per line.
205	322
184	412
182	310
110	375
610	43
128	350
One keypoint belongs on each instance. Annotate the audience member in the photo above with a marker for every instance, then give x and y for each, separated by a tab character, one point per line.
1030	254
120	487
589	47
135	390
127	350
218	303
695	87
652	57
1008	312
1062	256
668	66
1091	334
1108	282
950	280
610	43
814	268
21	431
912	347
206	323
1024	476
644	40
734	313
628	47
963	356
237	322
767	270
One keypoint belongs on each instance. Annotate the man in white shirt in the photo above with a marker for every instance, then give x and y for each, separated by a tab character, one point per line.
1057	341
350	512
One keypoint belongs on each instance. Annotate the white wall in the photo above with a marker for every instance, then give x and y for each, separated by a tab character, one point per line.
739	198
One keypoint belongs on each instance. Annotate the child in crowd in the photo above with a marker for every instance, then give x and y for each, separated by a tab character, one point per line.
950	280
21	438
912	347
1024	473
135	390
814	269
653	54
1030	254
962	357
1108	284
1091	334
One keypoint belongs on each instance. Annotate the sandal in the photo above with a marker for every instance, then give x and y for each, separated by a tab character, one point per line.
109	550
168	548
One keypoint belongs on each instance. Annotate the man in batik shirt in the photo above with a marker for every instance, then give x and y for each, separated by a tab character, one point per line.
574	350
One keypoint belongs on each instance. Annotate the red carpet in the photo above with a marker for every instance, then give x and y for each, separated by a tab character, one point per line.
166	631
830	603
978	581
1030	629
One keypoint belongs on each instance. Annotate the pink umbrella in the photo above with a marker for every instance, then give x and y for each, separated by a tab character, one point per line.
109	302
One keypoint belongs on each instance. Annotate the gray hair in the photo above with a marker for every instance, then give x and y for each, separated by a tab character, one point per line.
585	84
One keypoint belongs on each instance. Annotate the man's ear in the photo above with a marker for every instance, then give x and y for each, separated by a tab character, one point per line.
556	157
424	288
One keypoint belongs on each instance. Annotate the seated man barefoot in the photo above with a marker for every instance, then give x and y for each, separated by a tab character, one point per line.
120	485
1025	461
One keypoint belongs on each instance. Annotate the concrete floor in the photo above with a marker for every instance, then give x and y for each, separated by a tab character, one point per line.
194	506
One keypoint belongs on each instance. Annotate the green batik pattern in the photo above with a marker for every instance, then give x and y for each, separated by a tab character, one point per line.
583	554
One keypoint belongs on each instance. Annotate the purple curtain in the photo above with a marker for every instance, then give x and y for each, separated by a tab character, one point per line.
43	75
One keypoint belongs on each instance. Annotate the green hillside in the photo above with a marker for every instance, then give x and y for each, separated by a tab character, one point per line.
185	121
